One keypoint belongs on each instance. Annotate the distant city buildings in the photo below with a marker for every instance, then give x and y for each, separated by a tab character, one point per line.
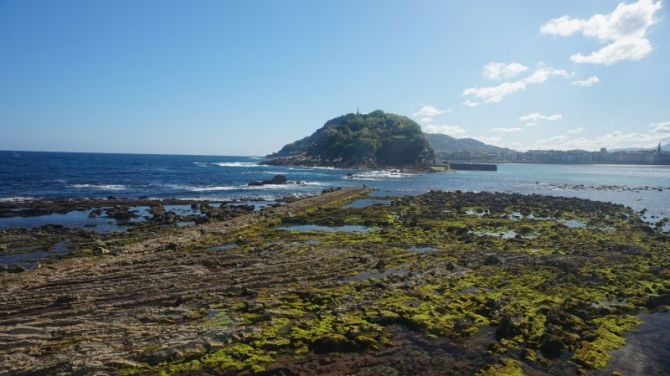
650	156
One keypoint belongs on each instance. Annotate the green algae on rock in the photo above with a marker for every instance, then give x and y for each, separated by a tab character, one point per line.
285	301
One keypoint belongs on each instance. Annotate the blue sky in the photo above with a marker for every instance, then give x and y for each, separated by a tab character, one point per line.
244	78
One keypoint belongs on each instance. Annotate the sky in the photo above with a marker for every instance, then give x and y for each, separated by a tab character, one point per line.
247	77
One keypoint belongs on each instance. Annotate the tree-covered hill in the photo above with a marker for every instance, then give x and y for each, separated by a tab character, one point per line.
450	148
377	139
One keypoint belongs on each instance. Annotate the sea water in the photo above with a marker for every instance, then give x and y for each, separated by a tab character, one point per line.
34	175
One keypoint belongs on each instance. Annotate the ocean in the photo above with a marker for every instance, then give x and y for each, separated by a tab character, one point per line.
34	175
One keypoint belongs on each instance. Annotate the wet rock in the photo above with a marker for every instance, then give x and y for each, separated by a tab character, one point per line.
122	363
508	328
170	217
552	346
278	372
120	213
95	213
333	343
99	251
160	356
658	300
492	260
28	330
244	208
157	212
65	300
15	268
192	349
277	179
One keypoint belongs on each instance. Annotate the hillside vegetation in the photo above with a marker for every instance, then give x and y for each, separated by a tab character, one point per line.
377	139
443	144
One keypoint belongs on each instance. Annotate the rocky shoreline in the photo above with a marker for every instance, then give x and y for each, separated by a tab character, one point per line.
416	285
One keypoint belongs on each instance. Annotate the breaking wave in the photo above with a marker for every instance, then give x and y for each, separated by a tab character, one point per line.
102	187
16	199
380	175
227	164
214	188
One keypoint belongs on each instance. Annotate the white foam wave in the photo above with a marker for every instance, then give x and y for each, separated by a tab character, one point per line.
214	188
380	175
237	164
308	168
102	187
313	183
16	199
227	164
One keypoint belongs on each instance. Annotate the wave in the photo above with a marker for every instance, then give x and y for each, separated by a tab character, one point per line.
102	187
380	175
213	188
16	199
313	183
237	164
308	168
227	164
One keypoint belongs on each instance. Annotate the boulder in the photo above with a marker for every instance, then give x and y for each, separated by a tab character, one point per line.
508	328
157	212
277	179
492	260
16	268
119	212
552	346
101	251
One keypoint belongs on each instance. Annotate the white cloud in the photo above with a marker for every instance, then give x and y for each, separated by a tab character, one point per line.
469	103
451	130
572	139
611	140
662	128
623	31
495	94
533	118
587	82
506	130
500	71
428	112
491	140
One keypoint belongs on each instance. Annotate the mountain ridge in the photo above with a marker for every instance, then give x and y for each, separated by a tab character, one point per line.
443	143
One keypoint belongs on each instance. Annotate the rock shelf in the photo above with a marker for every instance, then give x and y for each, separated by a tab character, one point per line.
366	303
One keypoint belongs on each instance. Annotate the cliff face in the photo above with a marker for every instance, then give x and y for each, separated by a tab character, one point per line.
373	140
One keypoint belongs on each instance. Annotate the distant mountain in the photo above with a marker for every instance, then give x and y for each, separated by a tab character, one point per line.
665	147
450	147
377	139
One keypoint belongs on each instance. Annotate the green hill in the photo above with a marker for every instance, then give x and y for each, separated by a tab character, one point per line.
441	143
377	139
447	147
